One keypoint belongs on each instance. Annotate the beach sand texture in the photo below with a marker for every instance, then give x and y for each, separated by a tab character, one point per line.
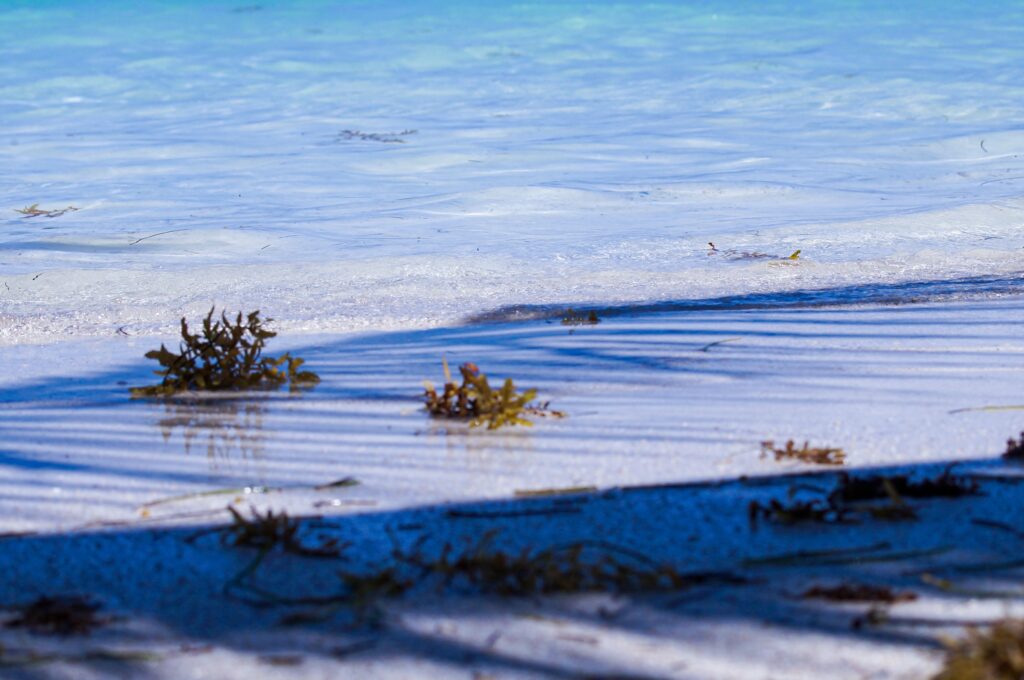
397	184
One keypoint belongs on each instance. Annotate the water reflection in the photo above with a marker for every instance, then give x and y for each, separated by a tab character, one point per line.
481	450
228	429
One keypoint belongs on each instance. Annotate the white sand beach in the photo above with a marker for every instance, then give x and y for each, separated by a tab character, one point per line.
793	221
659	455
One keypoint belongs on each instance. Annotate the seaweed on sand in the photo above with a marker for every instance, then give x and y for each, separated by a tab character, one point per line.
561	569
852	499
818	455
733	254
35	211
872	487
580	567
858	592
1015	448
575	318
994	654
797	512
895	510
268	531
225	355
59	615
383	137
479	403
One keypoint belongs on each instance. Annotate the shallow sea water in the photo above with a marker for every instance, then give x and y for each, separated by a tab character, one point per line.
356	165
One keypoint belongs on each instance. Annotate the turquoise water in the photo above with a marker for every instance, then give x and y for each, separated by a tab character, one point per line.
552	152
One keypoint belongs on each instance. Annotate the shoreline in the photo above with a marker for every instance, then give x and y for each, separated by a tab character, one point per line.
664	421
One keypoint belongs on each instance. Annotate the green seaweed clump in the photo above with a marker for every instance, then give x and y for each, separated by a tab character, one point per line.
225	355
996	654
475	400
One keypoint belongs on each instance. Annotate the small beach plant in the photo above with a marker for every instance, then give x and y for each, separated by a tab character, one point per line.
225	354
479	403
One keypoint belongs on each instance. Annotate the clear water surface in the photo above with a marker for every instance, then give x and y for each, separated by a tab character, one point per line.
347	165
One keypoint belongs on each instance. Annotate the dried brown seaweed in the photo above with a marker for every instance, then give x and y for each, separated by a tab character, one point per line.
858	592
993	654
35	211
807	454
733	254
574	318
796	512
271	530
554	491
1015	448
872	487
573	568
847	502
59	615
382	137
586	566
